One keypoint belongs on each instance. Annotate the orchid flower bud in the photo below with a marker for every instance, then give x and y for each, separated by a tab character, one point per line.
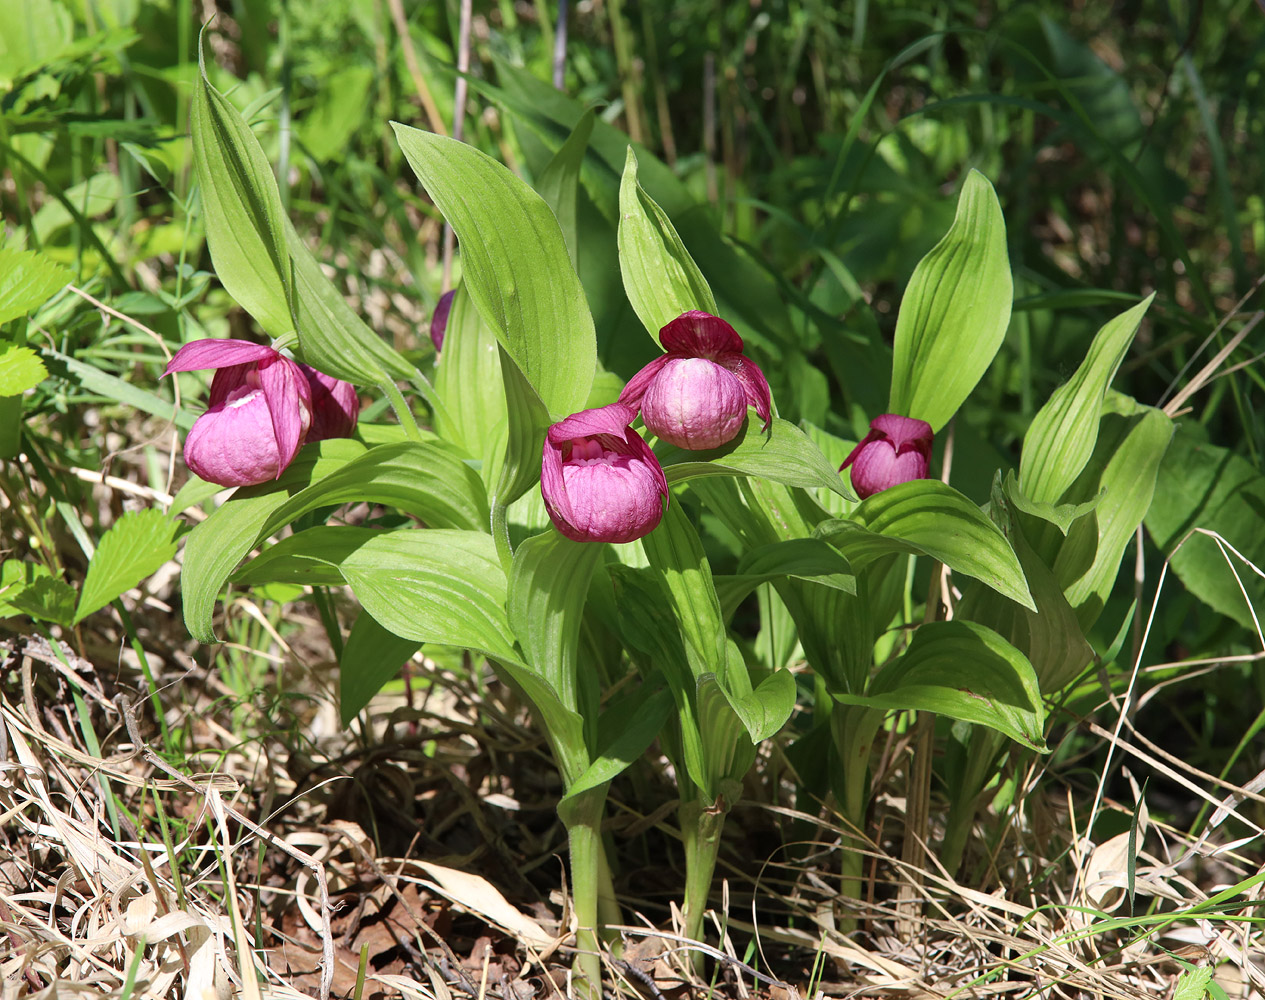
696	395
439	318
599	479
259	412
896	450
335	405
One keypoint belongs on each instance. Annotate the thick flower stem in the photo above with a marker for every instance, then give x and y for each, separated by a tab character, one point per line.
585	838
984	746
701	827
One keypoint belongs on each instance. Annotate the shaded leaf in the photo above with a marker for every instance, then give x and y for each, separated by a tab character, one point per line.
371	656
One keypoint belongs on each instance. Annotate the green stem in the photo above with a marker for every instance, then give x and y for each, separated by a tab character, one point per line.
980	767
853	731
402	412
701	827
585	838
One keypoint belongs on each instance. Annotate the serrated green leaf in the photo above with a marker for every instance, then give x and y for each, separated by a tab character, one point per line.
548	587
47	599
20	369
434	585
1061	437
371	656
136	546
559	182
1202	486
1192	984
928	517
660	277
27	280
965	671
15	576
955	311
514	265
785	455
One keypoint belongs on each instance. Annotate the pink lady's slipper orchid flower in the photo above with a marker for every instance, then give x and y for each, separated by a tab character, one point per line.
335	405
600	480
696	396
259	413
439	318
896	450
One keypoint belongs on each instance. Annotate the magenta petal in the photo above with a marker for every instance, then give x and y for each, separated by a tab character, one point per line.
218	354
335	405
227	379
553	486
694	403
896	450
904	430
700	334
612	419
754	385
852	455
234	444
290	402
636	387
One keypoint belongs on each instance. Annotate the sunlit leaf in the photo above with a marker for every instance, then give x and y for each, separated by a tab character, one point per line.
135	547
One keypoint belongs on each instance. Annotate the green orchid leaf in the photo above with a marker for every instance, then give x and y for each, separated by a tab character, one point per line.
928	517
548	588
528	421
628	725
371	657
434	585
1049	637
514	265
260	258
1062	516
137	545
965	671
309	558
955	311
1061	437
1126	460
476	421
660	277
559	183
784	454
676	554
216	545
728	751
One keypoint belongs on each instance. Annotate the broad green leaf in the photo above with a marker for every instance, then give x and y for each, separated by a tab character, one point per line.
1203	486
1126	460
728	750
20	369
765	710
371	656
1062	516
514	265
548	587
330	123
928	517
784	455
27	280
628	726
434	585
1062	435
260	258
215	547
965	671
474	420
559	182
799	558
15	576
1051	636
676	553
1192	984
32	35
46	599
955	311
310	558
136	546
660	277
